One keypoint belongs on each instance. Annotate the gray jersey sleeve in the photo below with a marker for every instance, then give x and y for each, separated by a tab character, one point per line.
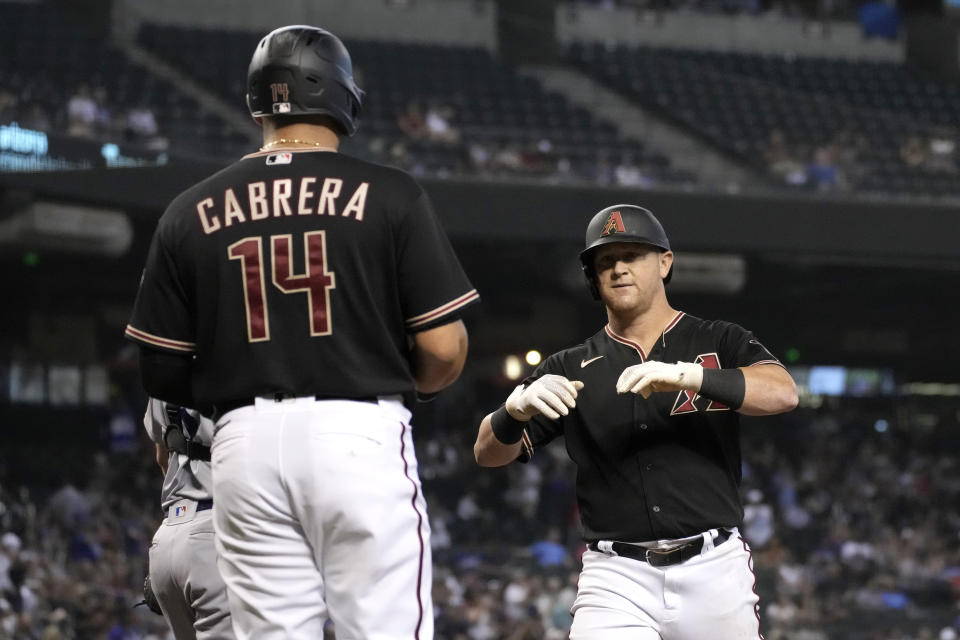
154	420
185	478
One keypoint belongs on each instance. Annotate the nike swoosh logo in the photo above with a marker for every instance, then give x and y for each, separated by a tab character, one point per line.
584	363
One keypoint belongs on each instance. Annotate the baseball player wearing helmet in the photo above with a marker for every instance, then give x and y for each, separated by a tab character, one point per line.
303	297
649	407
183	558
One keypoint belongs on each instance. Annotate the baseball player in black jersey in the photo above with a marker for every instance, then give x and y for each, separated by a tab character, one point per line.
649	410
299	296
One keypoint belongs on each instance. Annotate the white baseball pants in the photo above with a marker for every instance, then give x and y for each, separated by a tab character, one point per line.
709	596
185	579
320	514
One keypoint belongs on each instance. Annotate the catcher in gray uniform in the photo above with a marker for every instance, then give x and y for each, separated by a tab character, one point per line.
183	558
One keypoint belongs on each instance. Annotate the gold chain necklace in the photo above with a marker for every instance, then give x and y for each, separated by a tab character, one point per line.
318	145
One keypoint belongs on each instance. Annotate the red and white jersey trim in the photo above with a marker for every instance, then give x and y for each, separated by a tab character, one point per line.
443	310
273	152
526	445
631	343
157	341
673	323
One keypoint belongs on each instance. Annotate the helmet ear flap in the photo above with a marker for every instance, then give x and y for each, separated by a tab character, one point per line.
591	279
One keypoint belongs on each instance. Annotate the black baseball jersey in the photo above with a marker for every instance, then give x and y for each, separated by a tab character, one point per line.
649	469
298	272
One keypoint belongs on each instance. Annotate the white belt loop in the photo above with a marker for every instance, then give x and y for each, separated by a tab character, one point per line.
708	538
606	546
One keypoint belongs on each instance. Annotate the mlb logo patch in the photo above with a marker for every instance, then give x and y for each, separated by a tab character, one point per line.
279	158
181	511
281	107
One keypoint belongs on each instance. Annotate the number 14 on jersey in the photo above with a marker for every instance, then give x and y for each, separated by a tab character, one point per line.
315	280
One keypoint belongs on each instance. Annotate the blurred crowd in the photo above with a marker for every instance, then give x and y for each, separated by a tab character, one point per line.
853	513
841	163
432	143
87	113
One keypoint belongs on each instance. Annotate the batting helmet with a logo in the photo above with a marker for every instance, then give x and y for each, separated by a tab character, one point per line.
299	70
621	223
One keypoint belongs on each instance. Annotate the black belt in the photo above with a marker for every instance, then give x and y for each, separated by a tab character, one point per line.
229	405
663	557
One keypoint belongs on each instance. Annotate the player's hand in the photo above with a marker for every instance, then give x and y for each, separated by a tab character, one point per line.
654	376
551	395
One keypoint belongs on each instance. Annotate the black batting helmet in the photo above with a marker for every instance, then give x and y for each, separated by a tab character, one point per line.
621	223
301	70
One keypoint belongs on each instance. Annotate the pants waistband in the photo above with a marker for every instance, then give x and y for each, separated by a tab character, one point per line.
658	557
202	505
229	405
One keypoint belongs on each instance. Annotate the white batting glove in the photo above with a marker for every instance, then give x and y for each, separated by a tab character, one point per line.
660	376
550	395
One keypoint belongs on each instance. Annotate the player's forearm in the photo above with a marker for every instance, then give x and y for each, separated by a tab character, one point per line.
438	356
769	389
163	457
432	374
490	452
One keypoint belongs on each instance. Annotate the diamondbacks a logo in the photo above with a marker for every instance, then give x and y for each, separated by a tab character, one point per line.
614	224
686	399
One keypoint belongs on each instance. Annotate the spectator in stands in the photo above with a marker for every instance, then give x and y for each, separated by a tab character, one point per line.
81	113
439	123
103	115
942	151
9	551
628	173
851	152
758	521
563	171
36	118
781	160
549	552
507	159
603	170
141	127
479	157
412	121
823	173
555	603
536	157
913	152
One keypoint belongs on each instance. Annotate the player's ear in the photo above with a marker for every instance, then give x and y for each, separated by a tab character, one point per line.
666	264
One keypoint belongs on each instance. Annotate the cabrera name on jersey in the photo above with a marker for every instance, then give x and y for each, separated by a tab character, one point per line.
281	197
299	272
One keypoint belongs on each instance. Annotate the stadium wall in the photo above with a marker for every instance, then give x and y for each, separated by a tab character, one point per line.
790	224
453	22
